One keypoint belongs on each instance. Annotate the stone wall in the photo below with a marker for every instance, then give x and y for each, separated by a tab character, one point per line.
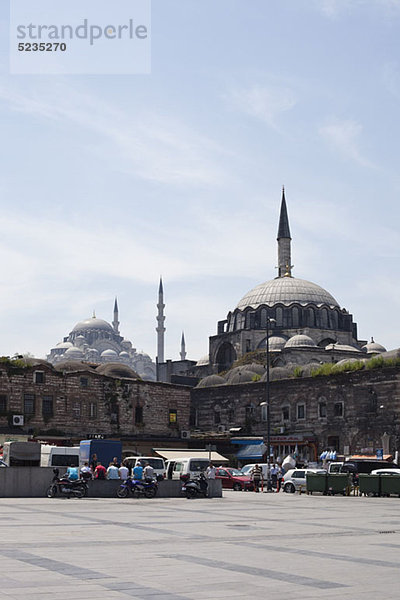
82	403
349	410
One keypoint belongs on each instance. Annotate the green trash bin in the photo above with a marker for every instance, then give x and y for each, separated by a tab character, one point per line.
316	482
338	483
369	485
390	484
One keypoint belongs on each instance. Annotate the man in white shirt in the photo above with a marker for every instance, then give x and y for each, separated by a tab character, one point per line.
112	472
148	472
123	472
211	471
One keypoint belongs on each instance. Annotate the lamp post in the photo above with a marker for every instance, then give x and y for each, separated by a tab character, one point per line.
267	404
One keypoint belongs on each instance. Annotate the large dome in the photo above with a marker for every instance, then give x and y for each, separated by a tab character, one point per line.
93	323
287	291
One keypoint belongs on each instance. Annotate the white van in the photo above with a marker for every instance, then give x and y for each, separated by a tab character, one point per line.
156	462
59	456
191	466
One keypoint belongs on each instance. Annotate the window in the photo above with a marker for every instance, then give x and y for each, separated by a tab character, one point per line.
92	410
173	416
217	417
84	381
138	415
29	404
76	409
47	406
264	413
285	413
3	404
38	377
338	409
322	410
301	411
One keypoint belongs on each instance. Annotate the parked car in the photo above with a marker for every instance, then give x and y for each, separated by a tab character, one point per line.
385	472
295	479
234	479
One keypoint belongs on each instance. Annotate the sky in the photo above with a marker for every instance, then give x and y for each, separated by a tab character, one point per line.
109	181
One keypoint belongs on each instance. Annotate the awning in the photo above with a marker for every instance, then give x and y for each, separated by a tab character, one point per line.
250	451
173	454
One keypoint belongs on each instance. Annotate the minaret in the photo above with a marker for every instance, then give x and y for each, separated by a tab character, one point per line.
284	239
115	323
183	347
160	327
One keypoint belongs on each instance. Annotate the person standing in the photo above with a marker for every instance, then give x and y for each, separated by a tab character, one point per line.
256	474
211	471
274	476
93	462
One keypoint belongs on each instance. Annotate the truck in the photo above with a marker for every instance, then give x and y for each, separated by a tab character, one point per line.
21	454
105	451
59	456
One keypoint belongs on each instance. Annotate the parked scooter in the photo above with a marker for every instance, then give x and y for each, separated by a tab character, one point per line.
62	486
194	487
138	487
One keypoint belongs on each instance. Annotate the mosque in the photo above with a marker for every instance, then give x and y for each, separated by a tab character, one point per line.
305	325
97	341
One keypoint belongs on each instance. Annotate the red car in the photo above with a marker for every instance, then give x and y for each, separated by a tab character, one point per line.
234	479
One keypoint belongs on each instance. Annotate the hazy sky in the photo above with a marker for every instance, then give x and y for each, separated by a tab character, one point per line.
107	182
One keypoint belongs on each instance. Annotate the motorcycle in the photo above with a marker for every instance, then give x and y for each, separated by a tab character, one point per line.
194	487
138	487
62	486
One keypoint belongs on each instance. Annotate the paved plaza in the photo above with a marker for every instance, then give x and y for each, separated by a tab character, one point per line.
244	545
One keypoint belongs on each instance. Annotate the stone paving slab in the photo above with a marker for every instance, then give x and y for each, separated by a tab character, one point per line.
241	546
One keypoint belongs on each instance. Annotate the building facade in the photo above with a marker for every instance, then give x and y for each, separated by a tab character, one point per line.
73	401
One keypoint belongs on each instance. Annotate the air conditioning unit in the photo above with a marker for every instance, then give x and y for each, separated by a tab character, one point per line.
221	428
185	435
18	420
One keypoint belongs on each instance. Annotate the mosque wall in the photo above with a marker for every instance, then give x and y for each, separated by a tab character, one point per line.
347	411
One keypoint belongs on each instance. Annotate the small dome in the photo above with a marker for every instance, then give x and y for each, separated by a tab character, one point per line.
342	348
117	370
373	347
123	354
64	345
300	341
242	376
276	343
72	365
93	323
109	354
345	361
284	372
73	353
211	380
204	360
255	368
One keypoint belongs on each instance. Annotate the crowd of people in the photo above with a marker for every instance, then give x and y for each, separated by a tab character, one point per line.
115	470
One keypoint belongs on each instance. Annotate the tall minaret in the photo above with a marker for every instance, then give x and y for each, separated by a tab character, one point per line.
115	323
183	347
160	327
284	239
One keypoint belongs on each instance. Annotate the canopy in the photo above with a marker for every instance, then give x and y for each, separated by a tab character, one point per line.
251	451
174	453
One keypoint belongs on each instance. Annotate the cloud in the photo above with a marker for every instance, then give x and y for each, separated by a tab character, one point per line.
149	145
264	103
344	136
334	8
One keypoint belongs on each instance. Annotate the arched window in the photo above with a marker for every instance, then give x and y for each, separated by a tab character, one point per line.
324	318
310	318
334	319
295	317
279	317
263	318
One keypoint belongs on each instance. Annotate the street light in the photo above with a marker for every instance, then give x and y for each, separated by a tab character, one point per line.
267	404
